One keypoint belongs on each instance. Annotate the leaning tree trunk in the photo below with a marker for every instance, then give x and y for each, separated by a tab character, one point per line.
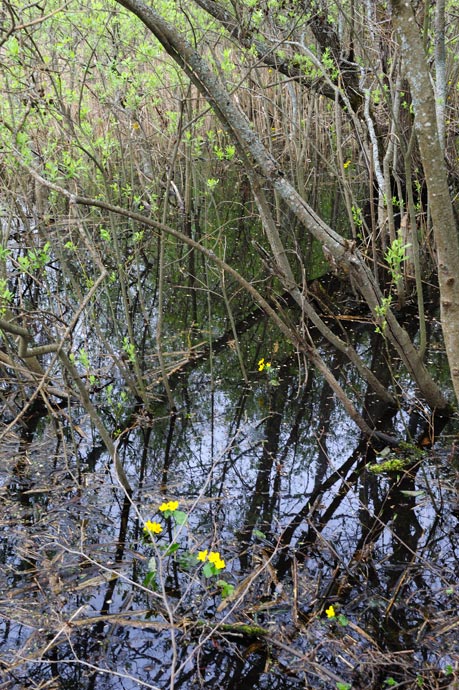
433	162
260	163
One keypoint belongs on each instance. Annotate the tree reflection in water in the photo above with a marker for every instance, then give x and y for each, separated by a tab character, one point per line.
276	479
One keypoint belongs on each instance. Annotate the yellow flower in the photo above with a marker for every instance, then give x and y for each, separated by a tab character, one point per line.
170	505
202	555
347	164
152	527
330	612
216	560
263	365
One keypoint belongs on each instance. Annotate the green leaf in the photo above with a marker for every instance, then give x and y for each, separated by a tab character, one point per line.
172	548
259	534
208	570
152	565
413	493
226	588
150	581
13	46
180	517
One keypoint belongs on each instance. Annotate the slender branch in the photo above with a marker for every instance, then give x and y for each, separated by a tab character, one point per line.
298	341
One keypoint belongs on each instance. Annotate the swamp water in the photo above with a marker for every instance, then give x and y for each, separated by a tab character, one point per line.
341	564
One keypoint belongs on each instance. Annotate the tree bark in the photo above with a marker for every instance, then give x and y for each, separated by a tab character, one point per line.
433	162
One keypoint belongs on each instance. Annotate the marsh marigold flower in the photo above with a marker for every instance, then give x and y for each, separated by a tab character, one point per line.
216	560
170	505
330	612
263	365
152	527
202	555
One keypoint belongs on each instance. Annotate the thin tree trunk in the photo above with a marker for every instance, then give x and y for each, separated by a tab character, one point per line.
440	69
441	208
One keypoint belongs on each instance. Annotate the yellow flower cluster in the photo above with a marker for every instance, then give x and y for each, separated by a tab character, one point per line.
263	365
170	505
213	557
152	527
330	612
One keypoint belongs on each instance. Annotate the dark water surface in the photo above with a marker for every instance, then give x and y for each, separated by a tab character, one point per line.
276	480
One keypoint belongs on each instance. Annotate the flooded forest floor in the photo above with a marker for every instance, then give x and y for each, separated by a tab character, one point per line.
333	564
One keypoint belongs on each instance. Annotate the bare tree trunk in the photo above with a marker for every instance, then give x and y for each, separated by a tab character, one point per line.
441	208
440	69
